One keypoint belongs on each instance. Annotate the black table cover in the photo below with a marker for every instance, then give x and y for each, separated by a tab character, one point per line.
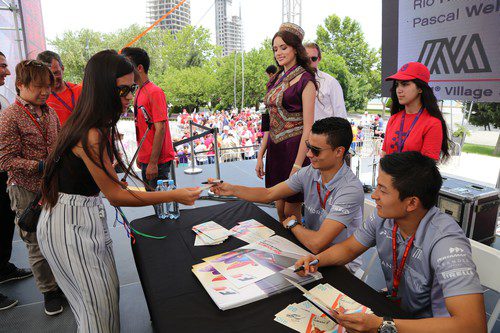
178	302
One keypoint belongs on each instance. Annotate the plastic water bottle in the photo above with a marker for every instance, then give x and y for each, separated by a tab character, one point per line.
174	206
162	210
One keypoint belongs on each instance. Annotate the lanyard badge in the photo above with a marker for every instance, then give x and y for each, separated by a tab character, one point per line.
402	138
322	202
397	272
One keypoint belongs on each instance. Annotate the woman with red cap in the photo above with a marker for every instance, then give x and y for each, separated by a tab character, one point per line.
416	123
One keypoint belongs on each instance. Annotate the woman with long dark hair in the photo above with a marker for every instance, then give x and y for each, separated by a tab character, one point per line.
290	97
72	229
416	123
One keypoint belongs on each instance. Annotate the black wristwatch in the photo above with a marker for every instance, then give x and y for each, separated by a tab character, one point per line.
387	326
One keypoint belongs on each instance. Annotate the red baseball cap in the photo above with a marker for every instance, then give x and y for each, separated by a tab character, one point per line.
410	71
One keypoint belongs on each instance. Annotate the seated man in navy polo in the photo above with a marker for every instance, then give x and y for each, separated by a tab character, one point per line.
425	257
333	196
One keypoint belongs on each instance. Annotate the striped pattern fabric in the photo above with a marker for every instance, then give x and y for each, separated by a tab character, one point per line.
75	240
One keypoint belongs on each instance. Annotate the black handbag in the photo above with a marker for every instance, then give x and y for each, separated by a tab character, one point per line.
29	218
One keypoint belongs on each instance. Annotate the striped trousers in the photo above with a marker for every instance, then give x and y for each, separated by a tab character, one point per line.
74	238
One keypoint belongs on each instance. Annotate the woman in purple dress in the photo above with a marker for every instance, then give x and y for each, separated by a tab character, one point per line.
290	100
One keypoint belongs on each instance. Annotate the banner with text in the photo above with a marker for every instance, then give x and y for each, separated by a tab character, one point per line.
459	41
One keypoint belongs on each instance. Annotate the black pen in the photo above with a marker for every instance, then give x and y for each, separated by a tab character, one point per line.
301	268
214	182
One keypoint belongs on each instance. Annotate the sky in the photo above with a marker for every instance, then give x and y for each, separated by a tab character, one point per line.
261	18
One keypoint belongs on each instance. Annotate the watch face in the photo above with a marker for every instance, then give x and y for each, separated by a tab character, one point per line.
388	328
291	223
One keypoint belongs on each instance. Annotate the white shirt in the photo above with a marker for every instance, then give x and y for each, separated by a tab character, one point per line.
330	99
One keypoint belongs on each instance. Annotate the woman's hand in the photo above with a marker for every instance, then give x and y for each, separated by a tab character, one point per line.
186	196
259	168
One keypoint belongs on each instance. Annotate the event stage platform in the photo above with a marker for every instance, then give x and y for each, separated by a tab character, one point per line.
29	316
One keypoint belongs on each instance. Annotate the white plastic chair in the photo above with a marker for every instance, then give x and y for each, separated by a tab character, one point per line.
487	260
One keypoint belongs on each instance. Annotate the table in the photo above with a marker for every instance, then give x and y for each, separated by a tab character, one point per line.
178	302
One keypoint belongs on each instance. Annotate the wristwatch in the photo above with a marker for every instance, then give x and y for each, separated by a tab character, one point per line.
387	326
292	223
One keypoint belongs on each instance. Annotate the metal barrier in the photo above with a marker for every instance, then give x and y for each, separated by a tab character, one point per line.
369	148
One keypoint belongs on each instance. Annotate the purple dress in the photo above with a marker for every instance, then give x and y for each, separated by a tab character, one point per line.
285	112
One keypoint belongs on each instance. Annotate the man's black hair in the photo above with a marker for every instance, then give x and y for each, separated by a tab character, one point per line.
271	69
414	175
338	132
138	56
48	56
3	55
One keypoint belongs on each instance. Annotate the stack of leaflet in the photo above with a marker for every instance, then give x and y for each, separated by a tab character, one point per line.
252	272
305	317
210	233
251	231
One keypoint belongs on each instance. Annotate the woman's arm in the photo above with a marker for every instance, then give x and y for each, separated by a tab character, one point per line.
114	192
259	168
308	99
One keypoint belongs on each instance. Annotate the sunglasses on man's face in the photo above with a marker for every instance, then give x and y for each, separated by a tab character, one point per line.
314	150
314	59
124	90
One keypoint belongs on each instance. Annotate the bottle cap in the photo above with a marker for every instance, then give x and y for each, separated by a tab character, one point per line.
159	182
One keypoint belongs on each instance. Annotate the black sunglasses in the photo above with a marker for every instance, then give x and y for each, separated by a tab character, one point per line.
315	150
125	90
314	59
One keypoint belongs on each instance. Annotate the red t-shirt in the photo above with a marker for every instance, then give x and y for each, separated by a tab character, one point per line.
152	98
426	136
69	98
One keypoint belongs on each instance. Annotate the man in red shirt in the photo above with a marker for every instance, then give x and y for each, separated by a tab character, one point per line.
157	152
64	94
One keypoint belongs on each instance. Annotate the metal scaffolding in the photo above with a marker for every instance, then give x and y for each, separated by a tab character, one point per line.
292	11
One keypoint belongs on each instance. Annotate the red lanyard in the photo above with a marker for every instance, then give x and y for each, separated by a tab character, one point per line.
322	202
137	97
397	272
70	109
401	140
33	119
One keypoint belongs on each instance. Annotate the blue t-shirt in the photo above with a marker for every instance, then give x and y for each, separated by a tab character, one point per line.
439	264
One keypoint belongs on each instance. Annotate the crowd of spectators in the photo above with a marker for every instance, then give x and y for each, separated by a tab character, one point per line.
239	133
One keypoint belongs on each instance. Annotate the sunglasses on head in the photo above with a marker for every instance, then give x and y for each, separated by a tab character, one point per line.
314	59
314	150
124	90
35	63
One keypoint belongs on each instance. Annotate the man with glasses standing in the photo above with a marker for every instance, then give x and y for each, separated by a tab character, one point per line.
28	131
64	95
333	196
330	98
157	152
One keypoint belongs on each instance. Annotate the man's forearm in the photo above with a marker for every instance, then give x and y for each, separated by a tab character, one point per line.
337	255
157	145
252	194
448	324
313	240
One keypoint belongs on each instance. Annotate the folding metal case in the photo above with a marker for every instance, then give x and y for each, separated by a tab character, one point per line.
474	207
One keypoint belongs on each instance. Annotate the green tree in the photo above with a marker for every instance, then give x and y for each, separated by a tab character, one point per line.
486	114
344	39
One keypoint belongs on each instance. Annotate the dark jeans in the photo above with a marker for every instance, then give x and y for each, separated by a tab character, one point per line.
163	171
7	225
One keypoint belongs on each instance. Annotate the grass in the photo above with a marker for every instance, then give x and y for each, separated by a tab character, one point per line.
478	149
